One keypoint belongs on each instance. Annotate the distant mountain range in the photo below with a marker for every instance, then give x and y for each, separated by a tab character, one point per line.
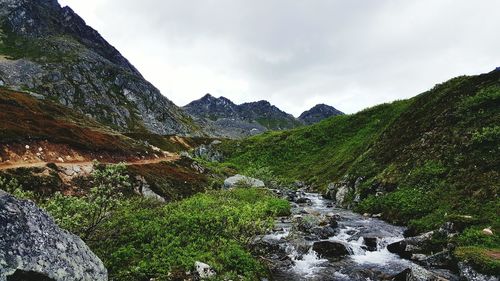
221	117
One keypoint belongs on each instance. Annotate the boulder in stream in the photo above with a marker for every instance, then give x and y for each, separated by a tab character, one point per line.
409	246
370	243
323	232
333	251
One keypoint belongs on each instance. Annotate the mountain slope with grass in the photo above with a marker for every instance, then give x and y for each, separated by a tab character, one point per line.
419	162
49	50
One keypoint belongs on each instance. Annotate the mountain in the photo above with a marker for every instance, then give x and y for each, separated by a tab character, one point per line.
318	113
419	162
49	50
221	117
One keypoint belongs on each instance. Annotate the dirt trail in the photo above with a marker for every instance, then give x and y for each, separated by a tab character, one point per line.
15	165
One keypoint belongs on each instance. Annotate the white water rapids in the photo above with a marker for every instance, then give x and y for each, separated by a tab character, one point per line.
361	264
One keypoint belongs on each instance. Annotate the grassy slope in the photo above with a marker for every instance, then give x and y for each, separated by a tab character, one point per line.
435	155
320	153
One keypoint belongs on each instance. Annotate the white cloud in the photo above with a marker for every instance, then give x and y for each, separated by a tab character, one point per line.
296	53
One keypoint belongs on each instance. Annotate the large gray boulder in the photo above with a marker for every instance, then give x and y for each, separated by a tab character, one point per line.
236	180
33	247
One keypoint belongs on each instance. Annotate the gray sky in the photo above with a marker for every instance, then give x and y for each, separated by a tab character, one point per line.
350	54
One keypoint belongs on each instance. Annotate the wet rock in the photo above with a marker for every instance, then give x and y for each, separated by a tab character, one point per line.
333	222
323	232
33	246
303	200
370	243
409	246
468	273
204	270
333	251
442	259
240	180
417	273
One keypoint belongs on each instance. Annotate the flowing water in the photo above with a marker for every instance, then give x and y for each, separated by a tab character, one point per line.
361	264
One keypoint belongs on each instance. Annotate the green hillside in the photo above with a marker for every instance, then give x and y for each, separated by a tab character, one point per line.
420	162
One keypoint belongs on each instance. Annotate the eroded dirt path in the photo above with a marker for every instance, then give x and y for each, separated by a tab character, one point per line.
40	164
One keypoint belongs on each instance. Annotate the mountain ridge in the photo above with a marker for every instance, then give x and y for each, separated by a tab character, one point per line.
224	118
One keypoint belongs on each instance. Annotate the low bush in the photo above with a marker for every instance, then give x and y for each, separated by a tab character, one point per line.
147	240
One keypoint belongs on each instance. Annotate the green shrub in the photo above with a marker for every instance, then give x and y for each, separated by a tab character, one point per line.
474	236
486	134
13	187
399	206
85	215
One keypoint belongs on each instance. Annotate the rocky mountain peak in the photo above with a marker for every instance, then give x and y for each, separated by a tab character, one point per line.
54	53
318	113
226	119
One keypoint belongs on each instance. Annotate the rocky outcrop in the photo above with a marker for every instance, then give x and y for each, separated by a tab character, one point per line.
344	193
33	247
209	152
318	113
240	180
142	187
222	118
49	50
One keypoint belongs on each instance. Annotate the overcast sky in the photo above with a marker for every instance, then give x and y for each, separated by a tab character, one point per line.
350	54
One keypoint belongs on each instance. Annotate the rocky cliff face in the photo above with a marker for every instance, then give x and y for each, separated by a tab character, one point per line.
318	113
48	49
222	118
33	247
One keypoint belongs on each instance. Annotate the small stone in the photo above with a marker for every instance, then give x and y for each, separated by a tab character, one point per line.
60	159
40	149
204	270
488	231
27	147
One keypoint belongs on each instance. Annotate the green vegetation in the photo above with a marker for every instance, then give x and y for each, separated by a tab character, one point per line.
152	241
484	260
423	161
277	123
140	239
319	153
85	216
